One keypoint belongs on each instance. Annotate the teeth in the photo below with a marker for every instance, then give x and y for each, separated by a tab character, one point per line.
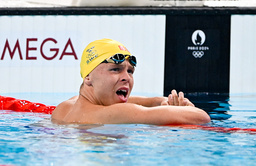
122	92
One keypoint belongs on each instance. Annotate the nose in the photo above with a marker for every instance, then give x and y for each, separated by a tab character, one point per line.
125	76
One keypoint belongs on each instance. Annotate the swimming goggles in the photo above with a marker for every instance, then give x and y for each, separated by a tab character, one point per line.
120	58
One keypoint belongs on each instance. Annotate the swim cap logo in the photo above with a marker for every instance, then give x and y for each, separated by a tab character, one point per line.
123	48
91	54
198	39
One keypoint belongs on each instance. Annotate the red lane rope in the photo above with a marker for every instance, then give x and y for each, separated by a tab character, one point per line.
217	129
10	103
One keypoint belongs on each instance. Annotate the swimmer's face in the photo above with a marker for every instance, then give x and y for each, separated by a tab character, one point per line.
112	83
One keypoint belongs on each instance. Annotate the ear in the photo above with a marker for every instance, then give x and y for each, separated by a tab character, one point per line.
87	80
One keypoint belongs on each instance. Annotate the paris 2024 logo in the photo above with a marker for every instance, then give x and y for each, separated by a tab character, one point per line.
198	39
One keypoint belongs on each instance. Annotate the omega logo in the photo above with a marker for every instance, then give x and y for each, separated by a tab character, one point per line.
51	54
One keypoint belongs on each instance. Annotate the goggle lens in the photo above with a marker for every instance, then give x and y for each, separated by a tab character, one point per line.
119	58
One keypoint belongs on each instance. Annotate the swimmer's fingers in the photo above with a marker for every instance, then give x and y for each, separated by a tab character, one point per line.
181	99
170	100
188	103
165	102
175	98
184	101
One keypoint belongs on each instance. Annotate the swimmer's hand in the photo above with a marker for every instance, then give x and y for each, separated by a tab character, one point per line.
177	100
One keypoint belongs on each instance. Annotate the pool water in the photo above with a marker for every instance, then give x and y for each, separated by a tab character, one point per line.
31	138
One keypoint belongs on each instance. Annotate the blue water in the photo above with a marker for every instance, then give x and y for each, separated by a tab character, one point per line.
31	139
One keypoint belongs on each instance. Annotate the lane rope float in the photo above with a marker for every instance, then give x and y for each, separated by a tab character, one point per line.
10	103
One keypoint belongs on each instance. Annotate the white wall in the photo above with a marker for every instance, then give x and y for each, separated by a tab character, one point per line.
143	35
243	54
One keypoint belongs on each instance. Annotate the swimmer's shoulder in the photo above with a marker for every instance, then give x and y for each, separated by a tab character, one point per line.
63	109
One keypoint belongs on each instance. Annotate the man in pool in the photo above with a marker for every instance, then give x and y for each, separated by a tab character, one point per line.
107	69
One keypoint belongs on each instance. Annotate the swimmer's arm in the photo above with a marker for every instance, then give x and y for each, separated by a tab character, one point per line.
160	115
173	99
147	101
128	113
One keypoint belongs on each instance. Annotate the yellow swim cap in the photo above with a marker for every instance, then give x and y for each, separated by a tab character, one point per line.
97	51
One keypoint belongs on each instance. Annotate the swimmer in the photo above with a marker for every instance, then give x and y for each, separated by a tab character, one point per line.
107	69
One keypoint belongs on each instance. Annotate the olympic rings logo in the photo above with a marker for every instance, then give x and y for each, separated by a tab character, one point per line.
198	54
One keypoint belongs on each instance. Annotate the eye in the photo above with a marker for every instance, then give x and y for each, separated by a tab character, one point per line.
130	71
115	69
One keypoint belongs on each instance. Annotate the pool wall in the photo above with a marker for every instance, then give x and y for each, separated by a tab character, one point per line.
189	49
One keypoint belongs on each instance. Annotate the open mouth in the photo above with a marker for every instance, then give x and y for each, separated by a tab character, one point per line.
122	92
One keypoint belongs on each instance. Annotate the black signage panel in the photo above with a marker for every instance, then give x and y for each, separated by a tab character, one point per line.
197	54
